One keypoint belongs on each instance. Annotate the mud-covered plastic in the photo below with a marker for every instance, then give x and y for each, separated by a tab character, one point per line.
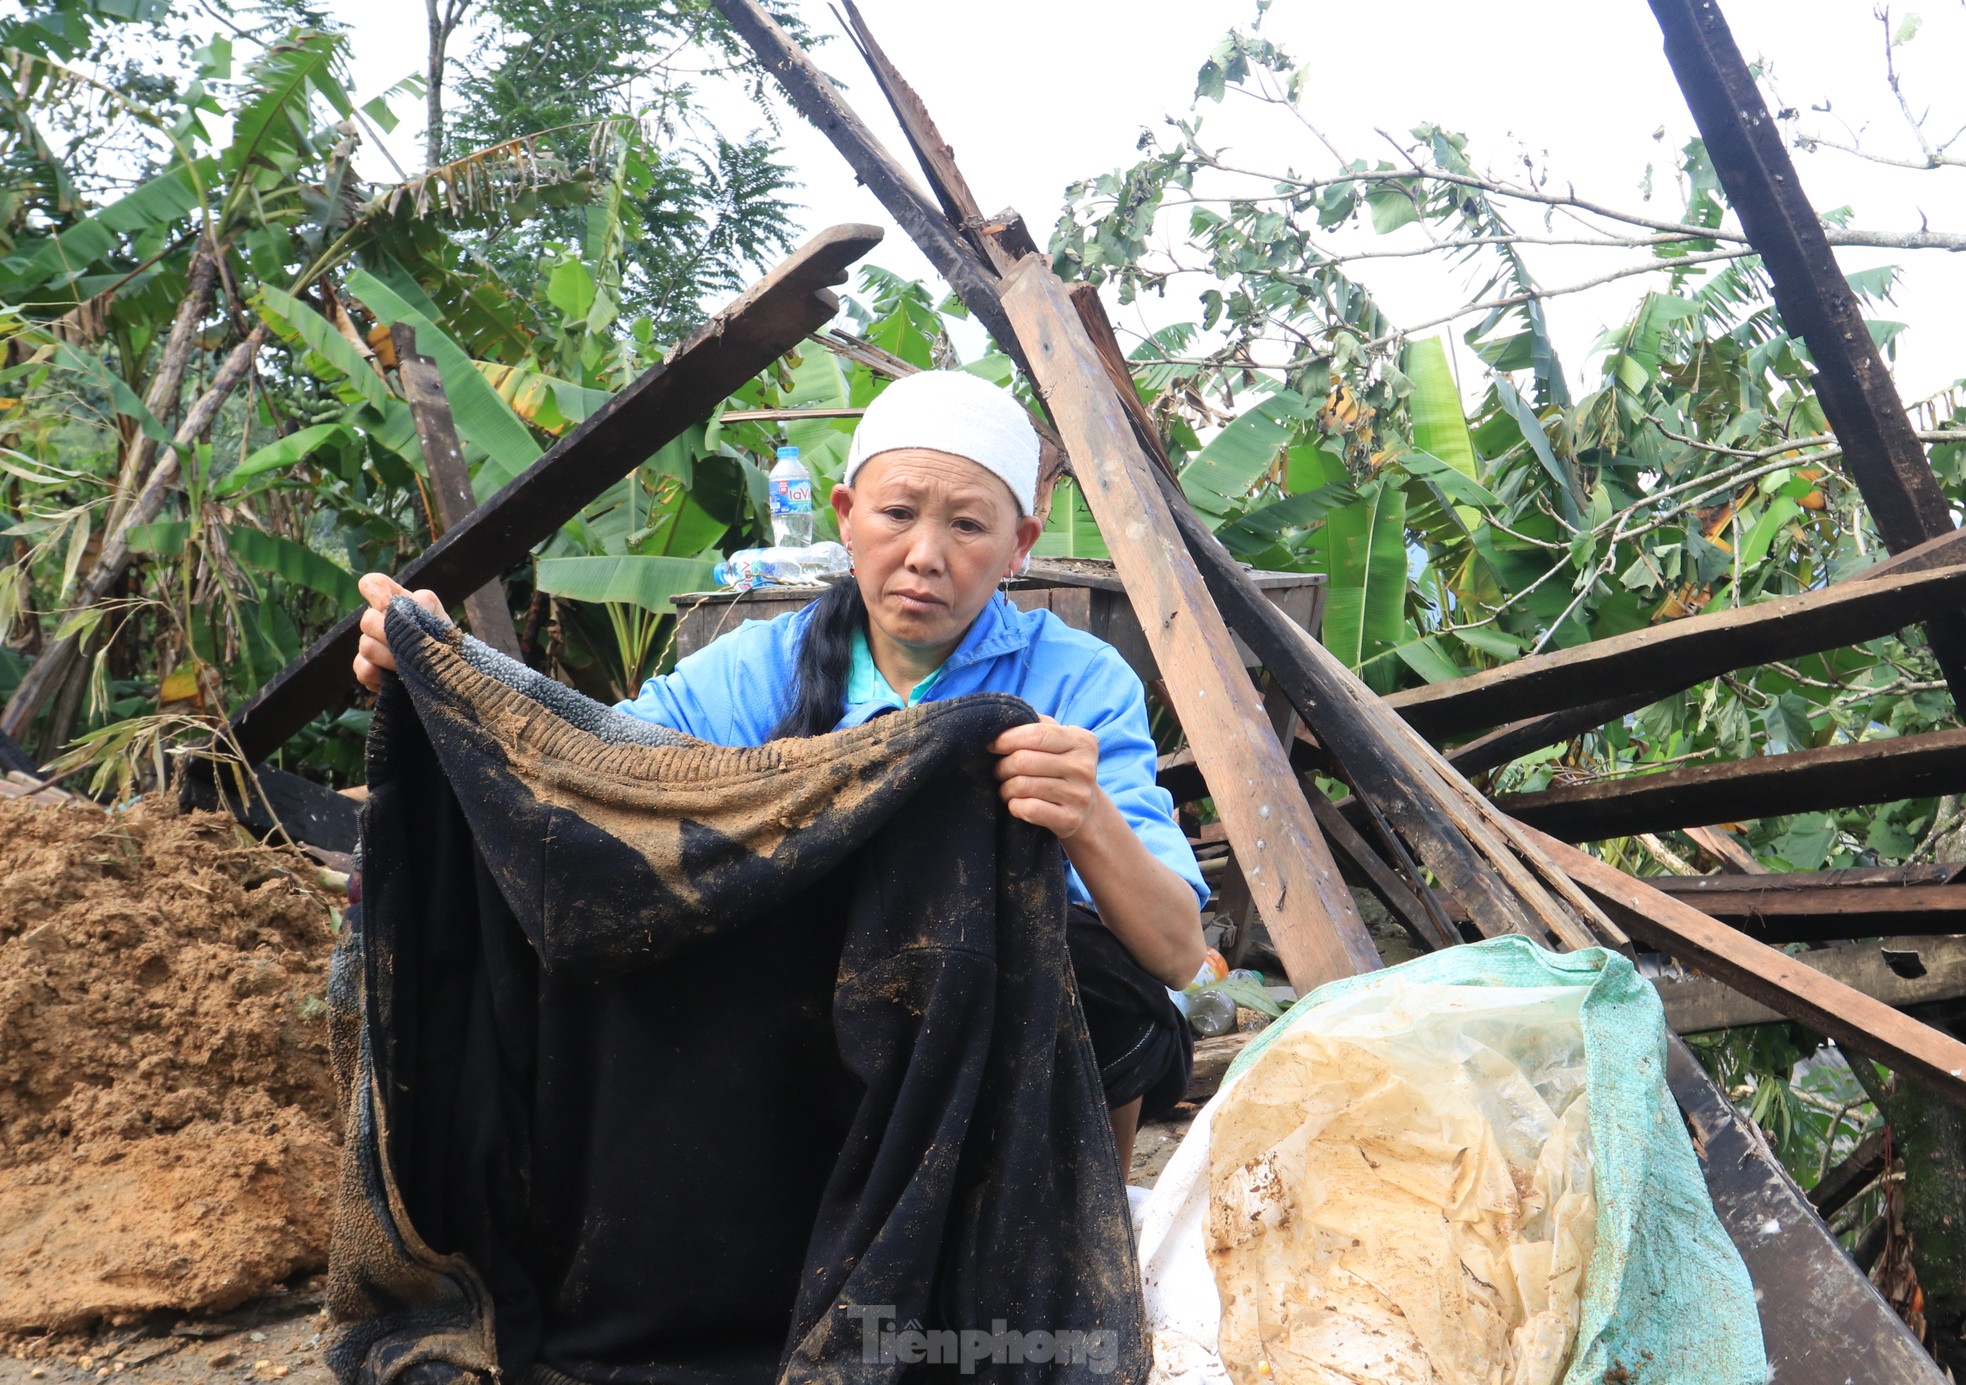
1464	1170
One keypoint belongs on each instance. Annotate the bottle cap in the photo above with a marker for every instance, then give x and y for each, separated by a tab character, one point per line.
788	454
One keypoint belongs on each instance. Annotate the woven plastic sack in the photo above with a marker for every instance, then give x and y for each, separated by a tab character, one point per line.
1465	1170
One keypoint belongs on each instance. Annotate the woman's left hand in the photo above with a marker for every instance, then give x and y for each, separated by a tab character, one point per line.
1048	775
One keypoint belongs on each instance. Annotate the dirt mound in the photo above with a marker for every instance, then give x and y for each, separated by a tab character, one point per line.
166	1111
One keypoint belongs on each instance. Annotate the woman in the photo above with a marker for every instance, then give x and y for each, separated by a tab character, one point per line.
936	509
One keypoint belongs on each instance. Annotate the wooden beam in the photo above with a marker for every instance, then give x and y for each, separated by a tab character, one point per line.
1526	734
1289	870
1428	926
1897	971
1880	448
758	327
1718	843
1837	776
486	613
1819	906
1849	879
1843	1184
1002	243
815	98
1947	550
1853	1019
1822	1321
1645	665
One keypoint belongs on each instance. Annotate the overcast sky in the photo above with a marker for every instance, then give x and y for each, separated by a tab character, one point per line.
1034	96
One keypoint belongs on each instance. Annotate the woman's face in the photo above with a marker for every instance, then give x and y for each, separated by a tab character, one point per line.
931	534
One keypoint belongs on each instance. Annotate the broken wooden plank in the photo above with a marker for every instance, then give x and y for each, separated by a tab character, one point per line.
1776	882
1845	1183
1649	664
1882	452
1212	1059
762	324
1289	870
1011	242
1822	1321
485	611
1897	971
1853	1019
815	98
1718	843
34	789
1530	733
1824	913
1836	776
1428	926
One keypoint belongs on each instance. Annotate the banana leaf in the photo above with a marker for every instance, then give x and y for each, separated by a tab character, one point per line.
819	382
294	562
285	452
1070	532
271	131
1434	407
1365	554
482	417
92	367
161	202
545	401
293	319
645	580
164	537
1524	415
1220	477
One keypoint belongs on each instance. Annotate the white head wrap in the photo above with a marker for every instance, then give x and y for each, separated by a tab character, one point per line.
957	413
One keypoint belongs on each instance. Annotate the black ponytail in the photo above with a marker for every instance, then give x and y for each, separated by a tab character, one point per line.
825	658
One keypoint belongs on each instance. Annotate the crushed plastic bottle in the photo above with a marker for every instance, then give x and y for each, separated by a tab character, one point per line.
790	486
1211	1013
749	568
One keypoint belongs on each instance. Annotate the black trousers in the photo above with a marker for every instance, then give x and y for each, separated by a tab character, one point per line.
1141	1041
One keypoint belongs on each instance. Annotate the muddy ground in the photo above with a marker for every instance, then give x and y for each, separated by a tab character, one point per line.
167	1119
279	1337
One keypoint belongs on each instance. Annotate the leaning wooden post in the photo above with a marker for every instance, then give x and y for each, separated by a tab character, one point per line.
450	482
1886	458
1283	856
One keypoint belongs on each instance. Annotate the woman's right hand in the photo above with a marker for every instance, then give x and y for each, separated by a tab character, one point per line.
372	656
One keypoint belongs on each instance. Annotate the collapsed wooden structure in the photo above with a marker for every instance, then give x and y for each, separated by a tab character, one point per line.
1440	854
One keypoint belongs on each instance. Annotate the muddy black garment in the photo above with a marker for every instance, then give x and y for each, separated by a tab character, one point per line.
665	1062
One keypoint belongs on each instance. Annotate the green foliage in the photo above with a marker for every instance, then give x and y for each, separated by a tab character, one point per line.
693	208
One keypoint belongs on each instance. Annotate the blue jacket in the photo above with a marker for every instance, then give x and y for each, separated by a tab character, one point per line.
734	691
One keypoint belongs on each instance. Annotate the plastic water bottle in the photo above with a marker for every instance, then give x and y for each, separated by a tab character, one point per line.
1211	1013
791	501
777	566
